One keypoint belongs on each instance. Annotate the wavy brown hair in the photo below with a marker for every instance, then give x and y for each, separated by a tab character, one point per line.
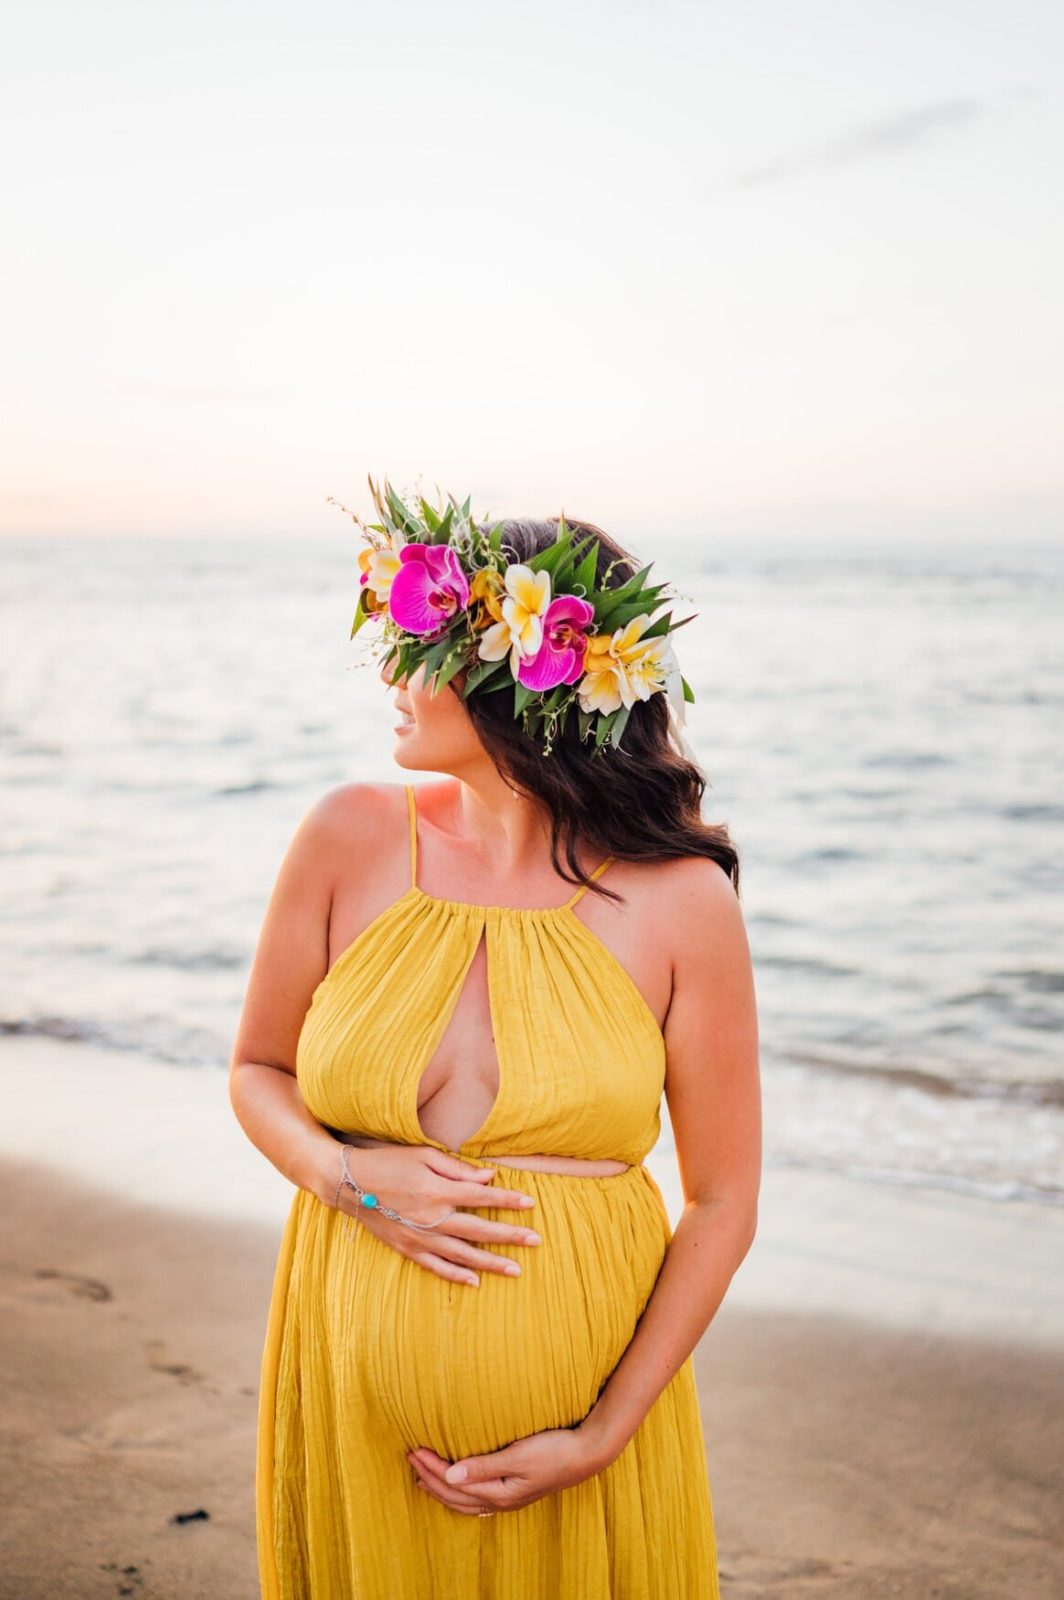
640	800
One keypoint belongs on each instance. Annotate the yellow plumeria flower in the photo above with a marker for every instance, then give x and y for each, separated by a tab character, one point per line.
519	630
380	567
623	667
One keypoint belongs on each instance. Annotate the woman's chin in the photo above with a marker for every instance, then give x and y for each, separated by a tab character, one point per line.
404	747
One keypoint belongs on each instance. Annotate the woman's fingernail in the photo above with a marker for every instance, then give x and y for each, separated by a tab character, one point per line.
456	1474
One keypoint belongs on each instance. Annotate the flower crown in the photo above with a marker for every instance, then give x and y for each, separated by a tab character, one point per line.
448	599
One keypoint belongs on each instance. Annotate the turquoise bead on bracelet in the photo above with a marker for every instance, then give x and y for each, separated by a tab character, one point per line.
372	1203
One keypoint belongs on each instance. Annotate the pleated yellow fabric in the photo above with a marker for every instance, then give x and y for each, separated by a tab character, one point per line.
368	1355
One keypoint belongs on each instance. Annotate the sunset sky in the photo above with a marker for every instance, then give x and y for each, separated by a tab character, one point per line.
773	270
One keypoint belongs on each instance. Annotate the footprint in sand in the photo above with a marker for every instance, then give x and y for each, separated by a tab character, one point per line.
129	1578
76	1283
159	1362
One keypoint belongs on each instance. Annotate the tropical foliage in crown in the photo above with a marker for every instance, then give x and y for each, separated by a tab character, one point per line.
444	596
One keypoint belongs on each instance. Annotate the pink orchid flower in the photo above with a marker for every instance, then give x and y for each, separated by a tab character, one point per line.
428	589
560	657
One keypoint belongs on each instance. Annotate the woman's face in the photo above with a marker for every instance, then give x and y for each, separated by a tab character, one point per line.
432	732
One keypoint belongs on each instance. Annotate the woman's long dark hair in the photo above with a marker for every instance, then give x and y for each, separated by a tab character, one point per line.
639	801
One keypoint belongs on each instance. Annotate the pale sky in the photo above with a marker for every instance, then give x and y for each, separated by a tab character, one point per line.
785	269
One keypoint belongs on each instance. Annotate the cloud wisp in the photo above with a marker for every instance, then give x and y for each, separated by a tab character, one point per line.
886	136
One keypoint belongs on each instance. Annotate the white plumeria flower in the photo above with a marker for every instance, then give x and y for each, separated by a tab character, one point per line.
674	684
625	668
527	596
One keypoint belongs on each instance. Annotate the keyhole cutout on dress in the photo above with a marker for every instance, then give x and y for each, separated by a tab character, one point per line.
458	1089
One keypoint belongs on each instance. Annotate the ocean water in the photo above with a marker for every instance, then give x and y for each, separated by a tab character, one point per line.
882	732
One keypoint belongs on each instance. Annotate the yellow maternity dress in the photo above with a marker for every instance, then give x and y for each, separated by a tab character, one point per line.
368	1355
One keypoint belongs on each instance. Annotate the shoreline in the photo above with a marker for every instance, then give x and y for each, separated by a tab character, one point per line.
880	1388
906	1255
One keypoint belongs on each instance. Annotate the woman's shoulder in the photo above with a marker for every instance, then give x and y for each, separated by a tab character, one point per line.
365	811
696	882
680	901
353	802
699	914
348	803
696	878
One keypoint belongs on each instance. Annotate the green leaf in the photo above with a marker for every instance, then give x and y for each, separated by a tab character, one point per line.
619	616
432	658
619	720
584	577
688	692
631	585
386	664
407	665
493	685
657	628
428	515
361	614
634	606
633	594
546	560
481	672
400	512
452	664
663	624
522	695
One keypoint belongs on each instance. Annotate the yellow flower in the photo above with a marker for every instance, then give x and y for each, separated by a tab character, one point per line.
380	567
519	629
623	667
485	587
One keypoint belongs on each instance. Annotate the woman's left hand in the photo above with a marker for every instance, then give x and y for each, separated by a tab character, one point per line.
524	1471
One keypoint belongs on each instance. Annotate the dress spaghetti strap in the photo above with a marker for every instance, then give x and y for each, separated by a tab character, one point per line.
412	809
583	887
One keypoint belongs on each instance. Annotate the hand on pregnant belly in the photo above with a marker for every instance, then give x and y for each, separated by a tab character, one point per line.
502	1378
506	1479
428	1186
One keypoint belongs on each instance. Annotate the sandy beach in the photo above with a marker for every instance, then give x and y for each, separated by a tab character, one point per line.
881	1389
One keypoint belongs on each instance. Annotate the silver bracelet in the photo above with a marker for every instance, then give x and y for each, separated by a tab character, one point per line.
371	1202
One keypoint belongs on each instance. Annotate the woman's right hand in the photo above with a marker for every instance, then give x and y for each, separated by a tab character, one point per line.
427	1185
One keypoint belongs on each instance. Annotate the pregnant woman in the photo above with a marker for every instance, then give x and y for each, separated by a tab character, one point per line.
477	1380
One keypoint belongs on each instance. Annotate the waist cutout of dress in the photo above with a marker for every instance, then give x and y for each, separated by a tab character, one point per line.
561	1166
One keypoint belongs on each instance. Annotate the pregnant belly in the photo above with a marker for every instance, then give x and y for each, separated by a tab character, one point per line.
468	1370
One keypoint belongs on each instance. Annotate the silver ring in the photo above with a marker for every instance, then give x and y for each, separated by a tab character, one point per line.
485	1513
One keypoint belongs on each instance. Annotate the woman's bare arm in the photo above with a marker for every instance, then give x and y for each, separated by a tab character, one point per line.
291	958
714	1097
